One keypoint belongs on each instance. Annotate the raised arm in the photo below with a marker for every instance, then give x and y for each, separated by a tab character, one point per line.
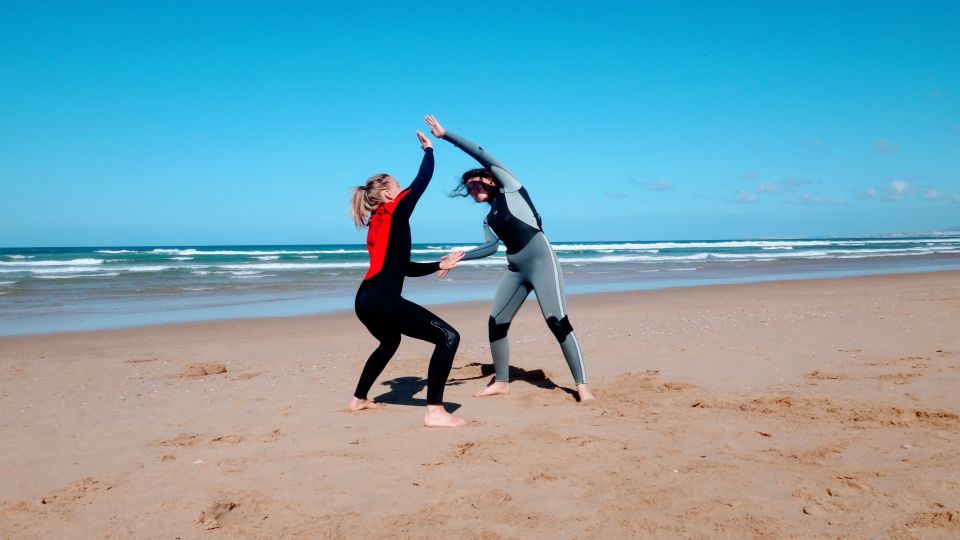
488	248
500	173
422	180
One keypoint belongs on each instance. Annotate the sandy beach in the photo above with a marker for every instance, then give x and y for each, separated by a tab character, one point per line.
803	409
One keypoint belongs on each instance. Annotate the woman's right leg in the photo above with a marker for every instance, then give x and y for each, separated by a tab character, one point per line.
510	295
389	342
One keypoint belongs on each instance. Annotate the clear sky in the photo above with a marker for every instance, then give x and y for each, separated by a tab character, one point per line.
140	123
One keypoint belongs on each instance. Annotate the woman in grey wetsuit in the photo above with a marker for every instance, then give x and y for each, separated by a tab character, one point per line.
531	263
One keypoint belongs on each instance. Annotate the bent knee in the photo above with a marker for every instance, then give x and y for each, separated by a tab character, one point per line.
451	338
495	331
561	328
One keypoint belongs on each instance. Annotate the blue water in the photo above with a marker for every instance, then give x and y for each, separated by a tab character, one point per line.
64	289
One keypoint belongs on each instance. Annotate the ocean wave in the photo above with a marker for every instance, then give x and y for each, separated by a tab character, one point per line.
19	257
196	252
71	262
78	276
7	282
292	266
181	258
268	257
115	251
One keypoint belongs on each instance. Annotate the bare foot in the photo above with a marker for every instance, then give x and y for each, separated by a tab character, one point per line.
357	404
437	416
497	388
585	393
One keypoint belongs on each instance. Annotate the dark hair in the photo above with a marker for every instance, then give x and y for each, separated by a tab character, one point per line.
461	189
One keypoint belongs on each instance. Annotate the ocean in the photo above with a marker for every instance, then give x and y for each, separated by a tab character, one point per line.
72	289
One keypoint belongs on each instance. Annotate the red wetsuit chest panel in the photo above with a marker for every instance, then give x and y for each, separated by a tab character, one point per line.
378	235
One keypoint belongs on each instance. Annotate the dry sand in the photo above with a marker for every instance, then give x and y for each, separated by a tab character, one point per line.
808	409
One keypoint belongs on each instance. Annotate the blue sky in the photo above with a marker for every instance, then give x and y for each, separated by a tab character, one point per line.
125	123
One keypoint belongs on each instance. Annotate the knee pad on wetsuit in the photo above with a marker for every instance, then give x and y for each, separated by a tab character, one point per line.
450	336
560	327
496	331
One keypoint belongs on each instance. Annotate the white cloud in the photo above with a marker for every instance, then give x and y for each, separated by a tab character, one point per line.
900	189
871	193
934	195
770	187
659	185
885	147
796	181
745	197
807	198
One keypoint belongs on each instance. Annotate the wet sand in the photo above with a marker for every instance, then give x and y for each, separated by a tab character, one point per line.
806	409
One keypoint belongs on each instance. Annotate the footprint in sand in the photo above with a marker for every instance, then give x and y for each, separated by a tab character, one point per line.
141	360
195	371
273	436
75	494
227	439
826	376
188	440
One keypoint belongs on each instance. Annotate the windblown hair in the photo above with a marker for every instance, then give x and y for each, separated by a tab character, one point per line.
461	189
367	198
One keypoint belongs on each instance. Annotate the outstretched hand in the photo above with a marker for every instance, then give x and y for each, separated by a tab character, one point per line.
449	262
435	126
424	141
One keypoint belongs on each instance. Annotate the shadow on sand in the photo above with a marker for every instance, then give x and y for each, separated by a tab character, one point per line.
535	377
402	390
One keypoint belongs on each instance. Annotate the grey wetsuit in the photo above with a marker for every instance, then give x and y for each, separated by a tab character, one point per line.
531	266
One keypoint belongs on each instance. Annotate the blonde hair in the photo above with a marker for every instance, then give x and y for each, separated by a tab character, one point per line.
367	198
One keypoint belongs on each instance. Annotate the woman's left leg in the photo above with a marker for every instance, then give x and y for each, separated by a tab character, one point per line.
547	281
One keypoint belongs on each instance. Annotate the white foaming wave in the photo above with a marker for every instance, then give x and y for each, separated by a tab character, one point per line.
197	252
634	258
146	268
435	250
629	246
309	257
7	282
200	272
56	270
245	272
71	262
254	276
181	258
115	251
778	247
78	276
489	261
767	256
290	266
268	257
20	256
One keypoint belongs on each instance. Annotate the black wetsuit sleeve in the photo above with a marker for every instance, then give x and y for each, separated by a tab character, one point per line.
415	269
419	184
500	173
488	248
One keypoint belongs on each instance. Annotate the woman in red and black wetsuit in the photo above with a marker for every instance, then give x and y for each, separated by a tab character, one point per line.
382	206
